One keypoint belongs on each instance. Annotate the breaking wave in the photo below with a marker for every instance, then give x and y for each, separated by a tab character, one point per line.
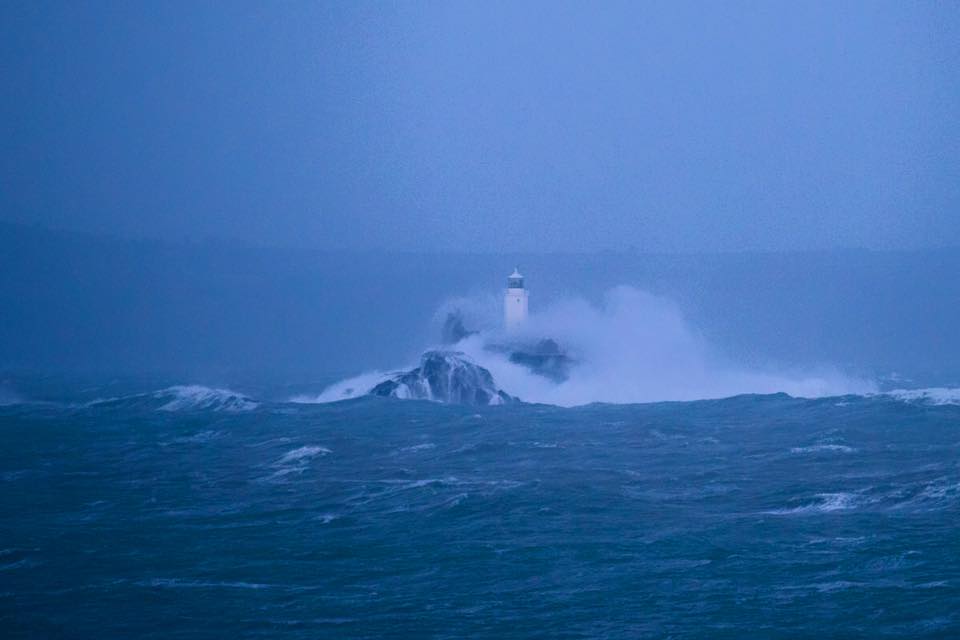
933	395
295	462
350	388
196	397
634	347
821	503
302	453
820	448
183	398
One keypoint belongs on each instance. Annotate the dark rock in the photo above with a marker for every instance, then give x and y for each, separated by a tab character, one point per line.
545	358
444	376
555	367
453	329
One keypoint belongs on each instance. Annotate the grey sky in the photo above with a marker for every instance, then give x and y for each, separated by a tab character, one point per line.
486	126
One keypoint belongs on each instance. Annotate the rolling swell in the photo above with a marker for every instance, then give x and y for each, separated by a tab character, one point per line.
755	515
181	398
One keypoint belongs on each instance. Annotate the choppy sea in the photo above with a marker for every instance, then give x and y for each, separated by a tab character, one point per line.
194	513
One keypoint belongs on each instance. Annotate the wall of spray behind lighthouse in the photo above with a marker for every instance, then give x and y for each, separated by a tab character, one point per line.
875	314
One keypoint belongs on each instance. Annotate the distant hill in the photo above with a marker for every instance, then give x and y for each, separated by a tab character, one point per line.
76	302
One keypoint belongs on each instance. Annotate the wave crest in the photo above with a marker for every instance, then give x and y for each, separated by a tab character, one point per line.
932	395
180	398
638	347
634	347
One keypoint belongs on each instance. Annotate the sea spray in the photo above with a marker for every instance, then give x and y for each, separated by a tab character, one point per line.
633	347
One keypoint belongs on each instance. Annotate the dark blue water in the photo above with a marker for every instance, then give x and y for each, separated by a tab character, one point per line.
757	516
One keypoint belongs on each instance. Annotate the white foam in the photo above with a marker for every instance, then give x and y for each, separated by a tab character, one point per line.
295	461
824	503
932	395
941	490
836	448
303	453
418	447
637	347
327	518
634	347
193	397
344	390
199	438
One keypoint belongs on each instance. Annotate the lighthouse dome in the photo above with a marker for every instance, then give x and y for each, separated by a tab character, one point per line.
515	280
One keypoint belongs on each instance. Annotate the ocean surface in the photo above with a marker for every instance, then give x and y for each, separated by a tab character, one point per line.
192	513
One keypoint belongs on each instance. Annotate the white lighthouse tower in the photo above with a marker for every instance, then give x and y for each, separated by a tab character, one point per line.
515	301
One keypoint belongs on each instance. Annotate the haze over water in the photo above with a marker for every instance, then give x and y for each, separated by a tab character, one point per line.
223	225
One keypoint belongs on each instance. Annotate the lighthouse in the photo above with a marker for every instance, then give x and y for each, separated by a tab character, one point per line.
515	301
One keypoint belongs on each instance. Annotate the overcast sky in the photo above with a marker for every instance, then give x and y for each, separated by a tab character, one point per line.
486	126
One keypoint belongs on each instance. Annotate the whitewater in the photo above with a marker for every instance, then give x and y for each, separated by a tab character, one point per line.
140	514
632	347
659	488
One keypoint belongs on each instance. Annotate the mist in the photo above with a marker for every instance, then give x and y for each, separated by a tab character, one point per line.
293	191
632	347
636	347
219	313
674	127
479	319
